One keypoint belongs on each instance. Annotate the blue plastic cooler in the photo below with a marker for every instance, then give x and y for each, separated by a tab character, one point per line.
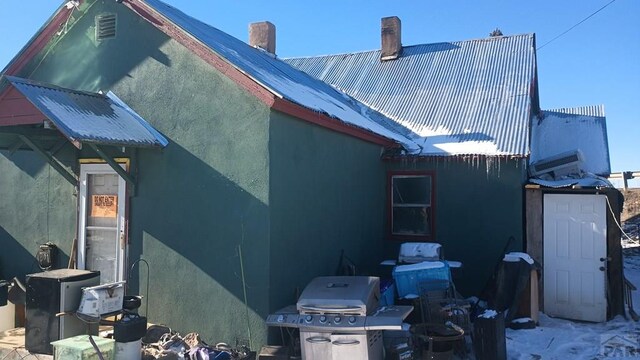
408	277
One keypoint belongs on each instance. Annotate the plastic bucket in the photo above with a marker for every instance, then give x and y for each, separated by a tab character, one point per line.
7	317
129	351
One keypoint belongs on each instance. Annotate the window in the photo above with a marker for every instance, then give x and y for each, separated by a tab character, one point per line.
411	205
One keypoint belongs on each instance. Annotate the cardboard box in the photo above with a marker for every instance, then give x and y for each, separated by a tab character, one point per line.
102	300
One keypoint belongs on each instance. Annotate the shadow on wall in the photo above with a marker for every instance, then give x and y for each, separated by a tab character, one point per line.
100	68
26	162
188	220
32	164
22	260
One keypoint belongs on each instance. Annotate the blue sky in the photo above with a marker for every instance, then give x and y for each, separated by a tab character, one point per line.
598	62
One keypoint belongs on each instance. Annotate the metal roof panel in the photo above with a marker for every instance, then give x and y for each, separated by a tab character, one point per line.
466	97
282	79
90	117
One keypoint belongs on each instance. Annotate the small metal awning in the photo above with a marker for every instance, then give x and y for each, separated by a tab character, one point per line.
38	113
82	117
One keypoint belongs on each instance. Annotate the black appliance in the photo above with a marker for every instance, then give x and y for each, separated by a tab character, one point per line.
51	296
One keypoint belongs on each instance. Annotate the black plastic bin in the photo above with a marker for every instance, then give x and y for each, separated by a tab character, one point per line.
131	327
489	340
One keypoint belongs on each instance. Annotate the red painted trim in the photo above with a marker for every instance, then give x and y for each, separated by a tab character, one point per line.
202	51
432	235
40	41
16	109
328	122
248	83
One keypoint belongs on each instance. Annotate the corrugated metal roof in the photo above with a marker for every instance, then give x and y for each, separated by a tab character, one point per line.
282	79
590	110
467	97
90	117
567	129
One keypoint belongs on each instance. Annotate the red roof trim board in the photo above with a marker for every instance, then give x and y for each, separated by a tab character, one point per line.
40	41
36	45
16	109
201	50
317	118
205	53
248	83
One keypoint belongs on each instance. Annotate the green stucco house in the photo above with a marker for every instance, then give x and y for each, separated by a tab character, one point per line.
129	130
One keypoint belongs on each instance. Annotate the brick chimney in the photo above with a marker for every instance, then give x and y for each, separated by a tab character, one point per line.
391	38
263	35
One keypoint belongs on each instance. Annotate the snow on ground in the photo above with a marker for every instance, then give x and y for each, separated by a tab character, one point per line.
566	340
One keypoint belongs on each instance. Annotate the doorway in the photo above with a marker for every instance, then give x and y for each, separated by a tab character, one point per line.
102	244
575	251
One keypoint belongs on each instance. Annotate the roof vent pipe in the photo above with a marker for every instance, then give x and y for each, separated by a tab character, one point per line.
263	35
391	38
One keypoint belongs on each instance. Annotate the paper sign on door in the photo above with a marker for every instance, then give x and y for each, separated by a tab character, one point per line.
104	206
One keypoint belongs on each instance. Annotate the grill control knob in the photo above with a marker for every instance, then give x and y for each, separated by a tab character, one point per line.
352	320
308	318
337	319
323	319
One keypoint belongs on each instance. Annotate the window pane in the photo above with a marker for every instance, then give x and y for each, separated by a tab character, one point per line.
102	236
412	190
412	220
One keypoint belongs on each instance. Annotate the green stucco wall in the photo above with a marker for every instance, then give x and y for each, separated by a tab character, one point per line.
200	203
327	195
37	206
478	206
243	198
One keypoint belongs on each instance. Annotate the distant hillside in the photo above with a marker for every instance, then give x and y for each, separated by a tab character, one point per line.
631	204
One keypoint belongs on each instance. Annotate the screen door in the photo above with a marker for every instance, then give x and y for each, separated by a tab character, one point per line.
101	232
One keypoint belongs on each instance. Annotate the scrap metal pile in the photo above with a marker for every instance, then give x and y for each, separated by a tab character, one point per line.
163	344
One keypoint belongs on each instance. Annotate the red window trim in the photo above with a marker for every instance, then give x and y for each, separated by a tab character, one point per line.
390	235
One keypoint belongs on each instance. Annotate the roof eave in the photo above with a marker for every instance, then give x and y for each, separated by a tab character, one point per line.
269	97
39	40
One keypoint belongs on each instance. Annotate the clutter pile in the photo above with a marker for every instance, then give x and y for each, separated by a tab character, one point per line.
163	344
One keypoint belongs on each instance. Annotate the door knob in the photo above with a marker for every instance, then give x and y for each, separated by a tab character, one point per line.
602	268
605	259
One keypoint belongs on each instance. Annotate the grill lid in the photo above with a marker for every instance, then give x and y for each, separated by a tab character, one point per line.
340	294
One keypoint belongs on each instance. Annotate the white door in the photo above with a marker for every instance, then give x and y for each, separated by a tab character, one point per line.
575	242
101	230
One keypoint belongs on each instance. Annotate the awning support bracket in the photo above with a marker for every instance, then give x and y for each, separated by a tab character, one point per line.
69	176
16	146
116	167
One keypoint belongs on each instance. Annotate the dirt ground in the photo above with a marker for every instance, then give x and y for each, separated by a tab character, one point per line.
631	204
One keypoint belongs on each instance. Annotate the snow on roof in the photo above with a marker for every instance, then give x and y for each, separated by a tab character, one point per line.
282	79
587	181
456	98
568	129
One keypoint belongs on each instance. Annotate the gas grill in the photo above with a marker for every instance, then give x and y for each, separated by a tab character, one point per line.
339	318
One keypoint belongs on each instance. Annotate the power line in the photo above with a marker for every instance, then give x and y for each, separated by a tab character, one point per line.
571	28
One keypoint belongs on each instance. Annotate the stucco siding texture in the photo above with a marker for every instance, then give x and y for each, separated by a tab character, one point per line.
326	195
38	206
200	203
478	206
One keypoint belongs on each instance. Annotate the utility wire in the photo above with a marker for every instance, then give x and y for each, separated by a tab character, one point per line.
574	26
